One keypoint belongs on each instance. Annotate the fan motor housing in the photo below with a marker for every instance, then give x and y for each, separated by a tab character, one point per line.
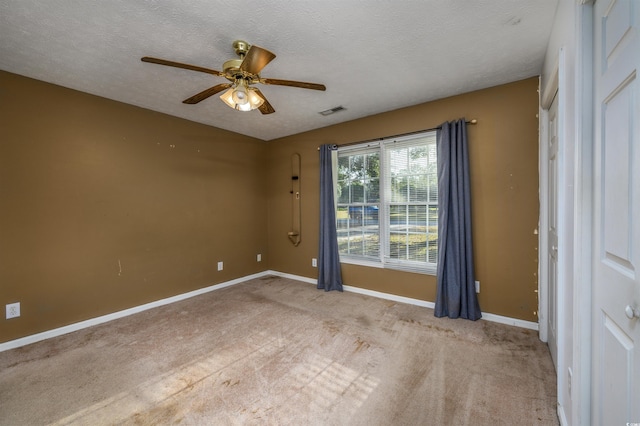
232	67
232	71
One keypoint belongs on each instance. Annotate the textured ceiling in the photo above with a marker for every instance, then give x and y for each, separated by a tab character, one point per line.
373	56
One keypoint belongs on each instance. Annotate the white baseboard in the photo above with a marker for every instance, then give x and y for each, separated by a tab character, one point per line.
294	277
12	344
485	316
510	321
562	418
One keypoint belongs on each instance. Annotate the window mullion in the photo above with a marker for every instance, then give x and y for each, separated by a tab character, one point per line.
383	223
406	227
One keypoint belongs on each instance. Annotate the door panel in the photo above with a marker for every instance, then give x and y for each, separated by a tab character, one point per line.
616	226
616	234
618	351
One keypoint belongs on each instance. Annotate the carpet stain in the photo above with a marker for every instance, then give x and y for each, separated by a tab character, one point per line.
361	344
163	414
363	320
331	328
188	384
230	383
435	327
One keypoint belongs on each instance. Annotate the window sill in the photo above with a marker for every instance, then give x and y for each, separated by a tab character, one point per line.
361	262
425	270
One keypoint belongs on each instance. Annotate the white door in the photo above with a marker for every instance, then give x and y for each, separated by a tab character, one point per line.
616	233
552	232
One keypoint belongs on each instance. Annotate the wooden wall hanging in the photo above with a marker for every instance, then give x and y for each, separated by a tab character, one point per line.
296	214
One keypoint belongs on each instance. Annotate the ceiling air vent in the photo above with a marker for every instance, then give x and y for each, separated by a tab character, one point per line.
332	110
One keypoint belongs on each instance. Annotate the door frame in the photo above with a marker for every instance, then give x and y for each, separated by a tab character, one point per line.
556	88
583	214
547	96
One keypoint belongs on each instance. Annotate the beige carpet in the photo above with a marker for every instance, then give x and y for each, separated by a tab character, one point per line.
274	351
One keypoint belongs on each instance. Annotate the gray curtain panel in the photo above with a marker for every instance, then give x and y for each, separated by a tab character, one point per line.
329	275
456	295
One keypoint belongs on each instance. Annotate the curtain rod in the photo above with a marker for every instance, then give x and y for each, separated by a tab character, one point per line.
474	121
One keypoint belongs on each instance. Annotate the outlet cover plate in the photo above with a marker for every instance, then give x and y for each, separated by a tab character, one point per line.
220	266
13	310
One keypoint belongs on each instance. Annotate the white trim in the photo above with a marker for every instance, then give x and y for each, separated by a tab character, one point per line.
562	418
388	296
583	218
549	93
23	341
510	321
543	226
416	268
294	277
564	228
361	261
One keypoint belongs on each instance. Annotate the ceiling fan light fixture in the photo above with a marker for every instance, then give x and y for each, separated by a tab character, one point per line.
252	100
243	107
239	94
255	99
227	98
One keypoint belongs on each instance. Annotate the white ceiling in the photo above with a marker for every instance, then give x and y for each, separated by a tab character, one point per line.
373	56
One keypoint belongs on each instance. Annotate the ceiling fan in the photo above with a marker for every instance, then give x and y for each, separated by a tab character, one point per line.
242	74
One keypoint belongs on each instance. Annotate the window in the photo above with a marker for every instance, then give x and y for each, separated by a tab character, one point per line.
387	203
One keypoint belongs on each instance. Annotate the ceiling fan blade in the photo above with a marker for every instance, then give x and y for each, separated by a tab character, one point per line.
256	59
291	83
181	65
207	93
266	107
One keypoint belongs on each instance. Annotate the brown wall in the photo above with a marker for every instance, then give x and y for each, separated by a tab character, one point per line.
105	206
504	173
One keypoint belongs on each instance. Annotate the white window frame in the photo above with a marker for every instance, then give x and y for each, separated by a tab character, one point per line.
384	261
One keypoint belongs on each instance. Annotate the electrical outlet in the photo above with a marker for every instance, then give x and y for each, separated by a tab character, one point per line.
13	310
314	262
477	286
259	258
220	266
